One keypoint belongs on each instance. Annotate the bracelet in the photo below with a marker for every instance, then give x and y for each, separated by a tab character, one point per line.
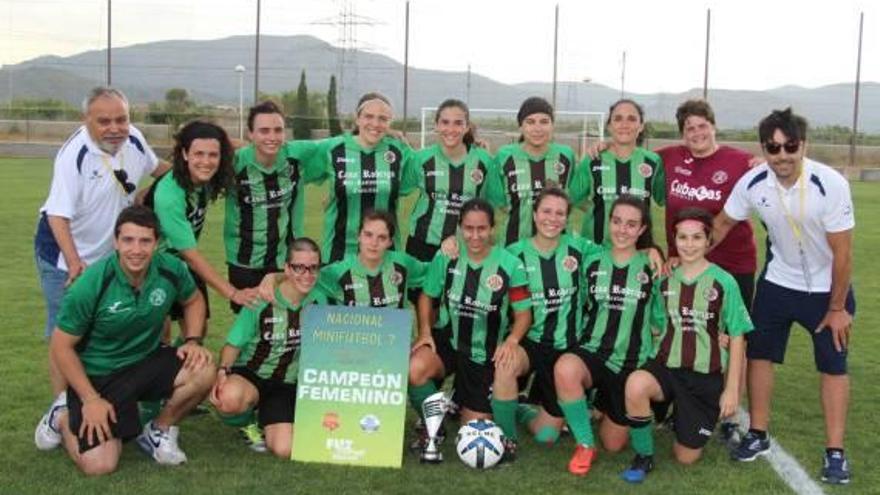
197	339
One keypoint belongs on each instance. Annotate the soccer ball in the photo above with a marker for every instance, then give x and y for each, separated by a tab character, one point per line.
479	444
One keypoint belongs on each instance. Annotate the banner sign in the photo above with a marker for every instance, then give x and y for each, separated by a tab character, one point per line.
351	391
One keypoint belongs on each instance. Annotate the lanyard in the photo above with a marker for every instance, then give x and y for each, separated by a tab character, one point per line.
796	225
110	170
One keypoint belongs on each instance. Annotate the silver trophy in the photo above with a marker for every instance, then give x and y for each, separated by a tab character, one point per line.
433	411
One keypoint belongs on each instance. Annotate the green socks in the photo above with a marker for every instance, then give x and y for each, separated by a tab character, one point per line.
418	394
240	420
577	415
641	436
526	413
504	413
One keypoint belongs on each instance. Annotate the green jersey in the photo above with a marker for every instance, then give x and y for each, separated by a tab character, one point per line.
518	177
362	180
181	215
444	187
264	207
477	298
692	314
121	325
607	177
349	283
268	337
618	327
557	289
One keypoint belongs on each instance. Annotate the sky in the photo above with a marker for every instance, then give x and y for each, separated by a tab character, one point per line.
754	44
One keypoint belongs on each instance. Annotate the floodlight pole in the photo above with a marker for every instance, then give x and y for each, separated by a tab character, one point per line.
406	68
240	70
257	59
706	66
555	52
622	74
109	44
855	126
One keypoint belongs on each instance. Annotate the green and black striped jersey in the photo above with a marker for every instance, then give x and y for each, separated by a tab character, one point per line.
607	177
349	283
361	180
478	298
692	314
264	207
557	288
618	327
181	214
268	337
444	187
516	180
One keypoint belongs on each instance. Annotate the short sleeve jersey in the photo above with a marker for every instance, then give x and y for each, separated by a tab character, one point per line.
268	337
618	327
181	215
557	289
607	177
121	325
349	283
444	187
692	314
361	179
264	207
518	177
706	182
85	189
820	203
477	297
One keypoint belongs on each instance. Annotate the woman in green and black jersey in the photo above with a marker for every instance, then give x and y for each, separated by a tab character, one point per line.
617	336
259	363
447	174
474	336
374	276
367	170
522	169
623	168
699	312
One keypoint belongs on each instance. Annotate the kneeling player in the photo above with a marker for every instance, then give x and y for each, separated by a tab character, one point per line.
697	305
475	293
617	336
258	364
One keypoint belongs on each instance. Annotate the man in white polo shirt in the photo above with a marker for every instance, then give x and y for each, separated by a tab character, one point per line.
807	209
95	175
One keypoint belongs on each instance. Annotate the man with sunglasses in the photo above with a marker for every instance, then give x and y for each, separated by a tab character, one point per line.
807	209
95	175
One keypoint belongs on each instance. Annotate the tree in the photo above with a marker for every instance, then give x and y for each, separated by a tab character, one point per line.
332	111
302	128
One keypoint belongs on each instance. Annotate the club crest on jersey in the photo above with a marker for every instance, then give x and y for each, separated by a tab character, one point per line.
711	294
396	277
643	278
494	282
719	177
389	157
157	297
570	263
477	176
645	170
559	168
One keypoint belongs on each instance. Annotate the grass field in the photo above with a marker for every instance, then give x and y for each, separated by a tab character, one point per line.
221	463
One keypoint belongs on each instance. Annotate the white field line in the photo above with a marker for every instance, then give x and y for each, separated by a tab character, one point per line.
786	466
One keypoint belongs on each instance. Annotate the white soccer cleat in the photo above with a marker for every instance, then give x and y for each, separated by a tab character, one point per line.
47	436
161	445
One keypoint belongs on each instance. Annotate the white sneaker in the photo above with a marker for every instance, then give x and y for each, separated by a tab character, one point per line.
161	445
47	436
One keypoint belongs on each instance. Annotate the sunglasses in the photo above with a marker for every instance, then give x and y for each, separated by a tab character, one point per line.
299	268
774	148
122	177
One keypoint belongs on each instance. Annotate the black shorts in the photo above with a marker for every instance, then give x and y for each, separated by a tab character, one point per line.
473	384
245	278
610	386
695	397
746	284
542	359
176	311
151	379
445	350
277	402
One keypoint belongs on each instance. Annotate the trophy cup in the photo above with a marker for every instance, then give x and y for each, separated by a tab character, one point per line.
433	411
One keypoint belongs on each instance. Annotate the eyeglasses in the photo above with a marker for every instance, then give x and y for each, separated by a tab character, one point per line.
774	148
299	268
122	177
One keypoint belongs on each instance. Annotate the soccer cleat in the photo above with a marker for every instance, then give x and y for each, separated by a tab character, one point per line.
161	445
47	435
750	447
582	460
639	468
835	469
510	447
253	436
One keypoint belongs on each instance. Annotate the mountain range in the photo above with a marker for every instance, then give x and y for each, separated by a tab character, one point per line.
206	68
